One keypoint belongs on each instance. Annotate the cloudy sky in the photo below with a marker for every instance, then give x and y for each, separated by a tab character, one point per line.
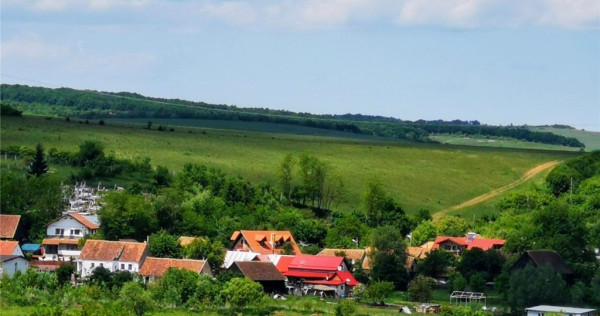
497	61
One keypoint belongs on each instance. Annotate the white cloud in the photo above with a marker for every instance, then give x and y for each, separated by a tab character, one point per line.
31	47
233	12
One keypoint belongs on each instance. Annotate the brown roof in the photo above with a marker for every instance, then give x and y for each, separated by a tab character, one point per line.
552	258
259	240
7	247
352	254
186	240
103	250
84	221
158	266
60	241
8	225
417	252
259	271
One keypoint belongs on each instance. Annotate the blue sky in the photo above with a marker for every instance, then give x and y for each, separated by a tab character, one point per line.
496	61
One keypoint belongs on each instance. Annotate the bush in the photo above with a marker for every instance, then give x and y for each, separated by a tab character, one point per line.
345	308
134	298
378	291
421	289
240	292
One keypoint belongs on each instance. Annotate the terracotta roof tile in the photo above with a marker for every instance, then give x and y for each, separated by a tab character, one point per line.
259	271
7	247
352	254
8	225
84	221
158	266
253	240
60	241
103	250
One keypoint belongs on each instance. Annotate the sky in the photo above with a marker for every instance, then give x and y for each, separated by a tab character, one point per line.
497	61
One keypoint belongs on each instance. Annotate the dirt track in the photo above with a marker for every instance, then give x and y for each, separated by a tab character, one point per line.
484	197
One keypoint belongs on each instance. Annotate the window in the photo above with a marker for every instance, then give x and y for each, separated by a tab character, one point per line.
130	266
59	231
51	249
102	265
93	264
72	247
447	247
75	231
122	266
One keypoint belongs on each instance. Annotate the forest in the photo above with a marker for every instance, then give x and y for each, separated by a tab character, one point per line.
96	105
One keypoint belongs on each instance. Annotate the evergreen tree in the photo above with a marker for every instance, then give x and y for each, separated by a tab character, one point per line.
39	165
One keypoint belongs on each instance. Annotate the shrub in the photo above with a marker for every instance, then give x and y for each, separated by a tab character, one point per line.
421	289
240	292
345	308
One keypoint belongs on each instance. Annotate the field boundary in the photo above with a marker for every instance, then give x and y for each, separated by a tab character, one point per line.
486	196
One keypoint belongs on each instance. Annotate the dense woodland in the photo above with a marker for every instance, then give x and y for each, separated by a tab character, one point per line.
200	200
96	105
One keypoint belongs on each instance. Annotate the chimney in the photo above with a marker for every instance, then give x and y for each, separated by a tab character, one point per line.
273	242
470	236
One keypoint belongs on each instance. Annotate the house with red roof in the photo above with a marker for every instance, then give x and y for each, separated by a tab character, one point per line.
308	271
264	242
112	255
459	244
154	268
11	258
9	225
63	234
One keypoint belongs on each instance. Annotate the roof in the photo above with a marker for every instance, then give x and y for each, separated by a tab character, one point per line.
552	258
60	241
5	258
259	240
338	278
320	263
347	277
31	247
186	240
46	265
232	256
85	221
283	265
8	225
482	243
259	271
417	252
103	250
309	274
158	266
558	309
7	247
352	254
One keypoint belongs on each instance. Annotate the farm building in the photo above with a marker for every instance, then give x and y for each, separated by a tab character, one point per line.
112	255
560	310
154	268
264	273
9	227
263	241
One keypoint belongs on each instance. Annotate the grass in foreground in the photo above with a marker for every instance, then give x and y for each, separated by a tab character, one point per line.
419	176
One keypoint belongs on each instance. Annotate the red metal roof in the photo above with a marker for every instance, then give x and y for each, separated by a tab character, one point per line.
321	263
482	243
309	274
284	264
8	225
347	277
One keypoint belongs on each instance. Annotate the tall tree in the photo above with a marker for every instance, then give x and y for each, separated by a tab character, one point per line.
39	165
388	256
286	171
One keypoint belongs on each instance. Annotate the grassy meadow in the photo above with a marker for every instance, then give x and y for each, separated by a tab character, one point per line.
502	142
430	176
590	139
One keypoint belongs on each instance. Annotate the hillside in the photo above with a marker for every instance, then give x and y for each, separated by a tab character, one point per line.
419	176
590	139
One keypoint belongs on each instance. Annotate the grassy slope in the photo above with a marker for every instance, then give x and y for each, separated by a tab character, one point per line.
590	139
419	176
495	142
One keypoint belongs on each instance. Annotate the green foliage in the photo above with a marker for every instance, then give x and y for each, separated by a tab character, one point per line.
436	263
100	276
64	272
388	256
7	110
176	287
421	289
476	261
161	177
424	232
134	298
240	292
286	172
163	245
125	215
381	209
451	226
38	165
208	291
378	291
535	286
345	308
456	282
204	249
477	282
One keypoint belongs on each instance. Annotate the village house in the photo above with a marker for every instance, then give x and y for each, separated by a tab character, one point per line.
9	227
264	241
328	272
538	258
264	273
112	255
154	268
63	234
11	258
457	245
10	248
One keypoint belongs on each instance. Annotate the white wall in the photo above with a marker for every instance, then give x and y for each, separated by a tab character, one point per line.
10	267
84	267
67	223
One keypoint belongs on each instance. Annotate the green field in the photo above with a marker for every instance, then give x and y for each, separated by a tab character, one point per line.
590	139
430	176
505	142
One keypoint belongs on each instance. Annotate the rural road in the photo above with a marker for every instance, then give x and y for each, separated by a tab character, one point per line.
484	197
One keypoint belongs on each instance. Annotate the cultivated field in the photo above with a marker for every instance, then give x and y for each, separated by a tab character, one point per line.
429	176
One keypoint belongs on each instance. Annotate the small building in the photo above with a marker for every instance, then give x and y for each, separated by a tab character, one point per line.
538	258
112	255
63	234
263	241
9	227
459	244
543	310
10	248
154	268
264	273
308	270
11	264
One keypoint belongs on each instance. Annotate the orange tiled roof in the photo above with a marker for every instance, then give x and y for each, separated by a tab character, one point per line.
84	221
352	254
103	250
8	225
253	240
60	241
186	240
158	266
7	247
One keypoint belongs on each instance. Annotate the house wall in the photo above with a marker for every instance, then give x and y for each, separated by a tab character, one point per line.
10	267
454	247
68	224
18	251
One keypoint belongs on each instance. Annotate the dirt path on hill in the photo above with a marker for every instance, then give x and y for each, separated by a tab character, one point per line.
484	197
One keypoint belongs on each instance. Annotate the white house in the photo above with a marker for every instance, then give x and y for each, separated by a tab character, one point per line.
11	264
63	234
543	310
112	255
